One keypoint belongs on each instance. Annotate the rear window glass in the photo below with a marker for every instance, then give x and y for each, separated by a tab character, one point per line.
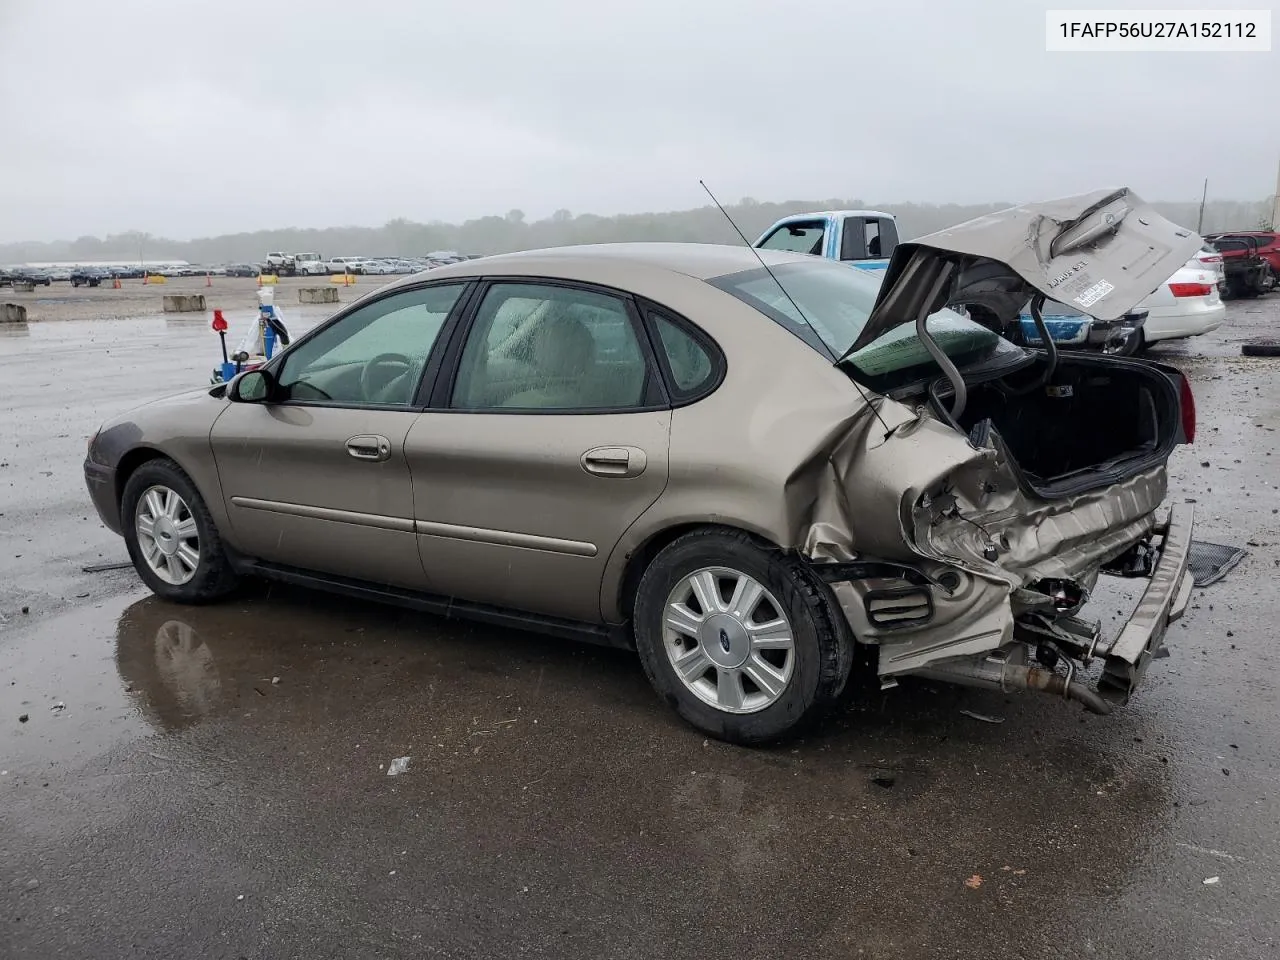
834	301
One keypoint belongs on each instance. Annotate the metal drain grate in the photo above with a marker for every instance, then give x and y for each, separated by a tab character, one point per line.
1211	561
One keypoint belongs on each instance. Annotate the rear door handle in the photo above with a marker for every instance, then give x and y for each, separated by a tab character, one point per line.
369	447
615	461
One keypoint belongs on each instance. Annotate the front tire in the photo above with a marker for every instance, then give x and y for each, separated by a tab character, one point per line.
740	638
172	539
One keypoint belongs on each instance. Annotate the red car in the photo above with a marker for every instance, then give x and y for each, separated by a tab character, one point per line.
1268	246
1251	259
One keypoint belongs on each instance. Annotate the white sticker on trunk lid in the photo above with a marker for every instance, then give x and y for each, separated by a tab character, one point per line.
1093	294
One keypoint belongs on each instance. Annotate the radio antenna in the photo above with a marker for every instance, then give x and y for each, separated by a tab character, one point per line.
791	300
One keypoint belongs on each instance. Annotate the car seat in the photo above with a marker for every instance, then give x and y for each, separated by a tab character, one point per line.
564	359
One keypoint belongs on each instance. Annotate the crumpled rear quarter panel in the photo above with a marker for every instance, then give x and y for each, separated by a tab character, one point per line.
926	496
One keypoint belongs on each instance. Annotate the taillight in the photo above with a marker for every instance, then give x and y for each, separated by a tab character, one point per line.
1187	402
1211	259
1191	289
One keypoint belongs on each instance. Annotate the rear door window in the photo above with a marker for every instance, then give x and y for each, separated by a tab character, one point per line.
543	347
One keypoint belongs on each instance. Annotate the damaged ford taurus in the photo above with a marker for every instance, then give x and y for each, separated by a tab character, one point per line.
756	468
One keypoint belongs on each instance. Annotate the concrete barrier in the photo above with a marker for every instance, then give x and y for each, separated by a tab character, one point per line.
13	313
317	295
23	286
183	303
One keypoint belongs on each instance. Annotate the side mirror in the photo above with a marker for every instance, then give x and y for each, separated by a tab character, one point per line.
253	386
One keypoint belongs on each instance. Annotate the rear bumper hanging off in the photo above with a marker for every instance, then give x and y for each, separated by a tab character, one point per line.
1125	658
1163	602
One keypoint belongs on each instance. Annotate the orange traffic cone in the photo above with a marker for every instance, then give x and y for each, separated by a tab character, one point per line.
259	280
115	283
207	281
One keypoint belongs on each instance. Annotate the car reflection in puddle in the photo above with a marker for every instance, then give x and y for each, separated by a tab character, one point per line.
170	672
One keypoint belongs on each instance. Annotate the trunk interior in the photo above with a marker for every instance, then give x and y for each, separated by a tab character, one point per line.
1096	421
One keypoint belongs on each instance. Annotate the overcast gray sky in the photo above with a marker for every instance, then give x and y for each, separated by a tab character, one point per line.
190	118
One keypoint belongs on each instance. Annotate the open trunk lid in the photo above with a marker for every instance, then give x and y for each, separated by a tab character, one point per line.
1102	252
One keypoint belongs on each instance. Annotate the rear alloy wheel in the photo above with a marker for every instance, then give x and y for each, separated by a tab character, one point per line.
728	641
739	638
171	537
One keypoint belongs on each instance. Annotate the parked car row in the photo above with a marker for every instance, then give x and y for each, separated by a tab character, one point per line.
11	275
92	275
302	264
384	266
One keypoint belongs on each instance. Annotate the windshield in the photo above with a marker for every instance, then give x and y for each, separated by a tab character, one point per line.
834	303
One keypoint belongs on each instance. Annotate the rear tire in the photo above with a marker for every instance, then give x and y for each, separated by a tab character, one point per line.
172	539
762	649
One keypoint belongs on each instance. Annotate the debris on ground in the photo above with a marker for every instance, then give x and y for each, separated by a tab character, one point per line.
1261	347
59	706
397	766
884	779
1209	881
275	681
985	718
1210	562
974	882
23	718
103	567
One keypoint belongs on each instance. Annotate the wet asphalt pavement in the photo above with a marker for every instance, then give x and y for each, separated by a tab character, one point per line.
213	782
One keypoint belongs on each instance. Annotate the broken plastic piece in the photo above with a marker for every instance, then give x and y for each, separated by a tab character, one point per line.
397	766
985	718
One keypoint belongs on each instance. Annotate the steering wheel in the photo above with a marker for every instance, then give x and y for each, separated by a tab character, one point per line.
369	384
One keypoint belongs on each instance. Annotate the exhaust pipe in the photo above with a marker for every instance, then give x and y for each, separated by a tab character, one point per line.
1007	676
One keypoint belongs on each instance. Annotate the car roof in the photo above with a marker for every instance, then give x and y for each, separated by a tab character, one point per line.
702	261
837	214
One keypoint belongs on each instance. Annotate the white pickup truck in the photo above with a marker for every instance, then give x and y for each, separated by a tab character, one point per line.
863	238
309	265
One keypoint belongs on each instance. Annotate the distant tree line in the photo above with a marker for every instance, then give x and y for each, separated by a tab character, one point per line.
514	231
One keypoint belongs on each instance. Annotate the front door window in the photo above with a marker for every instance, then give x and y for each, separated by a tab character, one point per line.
372	357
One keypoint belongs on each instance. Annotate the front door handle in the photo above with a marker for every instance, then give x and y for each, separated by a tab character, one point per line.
369	447
615	461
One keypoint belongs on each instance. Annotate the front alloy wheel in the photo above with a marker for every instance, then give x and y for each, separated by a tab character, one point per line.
167	535
173	542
